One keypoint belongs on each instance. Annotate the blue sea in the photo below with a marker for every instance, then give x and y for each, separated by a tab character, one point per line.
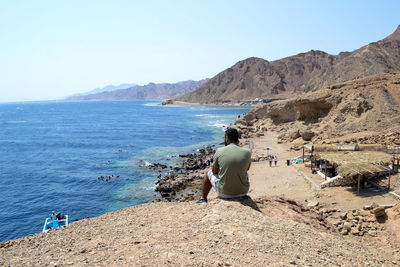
52	153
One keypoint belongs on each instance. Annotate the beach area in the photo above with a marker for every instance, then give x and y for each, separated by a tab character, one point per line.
286	220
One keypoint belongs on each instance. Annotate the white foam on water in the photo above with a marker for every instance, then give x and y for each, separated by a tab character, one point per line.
218	124
152	104
208	116
146	163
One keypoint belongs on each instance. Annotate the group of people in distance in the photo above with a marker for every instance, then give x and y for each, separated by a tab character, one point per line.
106	178
273	158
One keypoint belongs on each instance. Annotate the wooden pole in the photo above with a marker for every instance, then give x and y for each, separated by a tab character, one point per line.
303	154
311	159
358	183
326	163
390	174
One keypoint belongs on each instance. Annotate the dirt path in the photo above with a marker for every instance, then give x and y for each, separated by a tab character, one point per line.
280	180
296	181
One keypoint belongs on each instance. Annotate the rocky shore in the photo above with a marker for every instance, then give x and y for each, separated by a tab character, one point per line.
185	182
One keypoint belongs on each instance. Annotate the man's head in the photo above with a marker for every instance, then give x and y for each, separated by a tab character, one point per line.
231	136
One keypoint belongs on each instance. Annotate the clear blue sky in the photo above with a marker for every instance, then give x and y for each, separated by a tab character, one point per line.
53	49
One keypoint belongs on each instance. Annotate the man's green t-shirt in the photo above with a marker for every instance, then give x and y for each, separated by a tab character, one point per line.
233	162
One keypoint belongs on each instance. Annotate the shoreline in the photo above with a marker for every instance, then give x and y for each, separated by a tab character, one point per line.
280	201
184	183
170	233
182	103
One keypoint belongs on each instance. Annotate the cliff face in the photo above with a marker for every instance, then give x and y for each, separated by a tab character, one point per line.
256	77
365	110
149	91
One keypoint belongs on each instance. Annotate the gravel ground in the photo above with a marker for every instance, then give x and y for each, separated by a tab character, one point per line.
220	233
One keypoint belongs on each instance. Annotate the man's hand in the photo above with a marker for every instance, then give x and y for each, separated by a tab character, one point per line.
215	169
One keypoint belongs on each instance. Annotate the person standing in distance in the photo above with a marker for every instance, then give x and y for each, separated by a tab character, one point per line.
228	175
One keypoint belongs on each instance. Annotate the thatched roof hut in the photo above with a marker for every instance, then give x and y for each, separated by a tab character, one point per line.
351	163
325	148
371	147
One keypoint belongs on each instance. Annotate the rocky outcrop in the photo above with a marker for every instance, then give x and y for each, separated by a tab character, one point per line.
361	111
185	184
354	222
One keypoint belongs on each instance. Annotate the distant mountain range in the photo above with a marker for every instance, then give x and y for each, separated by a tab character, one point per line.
108	88
259	78
140	92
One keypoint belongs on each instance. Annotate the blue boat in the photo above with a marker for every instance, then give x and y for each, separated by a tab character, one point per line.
49	224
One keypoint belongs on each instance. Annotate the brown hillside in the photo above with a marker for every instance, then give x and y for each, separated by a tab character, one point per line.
256	77
365	110
375	58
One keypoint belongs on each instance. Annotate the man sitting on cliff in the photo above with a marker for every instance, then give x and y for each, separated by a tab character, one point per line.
228	175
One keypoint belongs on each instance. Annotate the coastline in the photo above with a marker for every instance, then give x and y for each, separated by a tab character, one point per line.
175	231
182	103
269	227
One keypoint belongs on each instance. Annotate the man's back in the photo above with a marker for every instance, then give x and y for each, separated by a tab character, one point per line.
233	162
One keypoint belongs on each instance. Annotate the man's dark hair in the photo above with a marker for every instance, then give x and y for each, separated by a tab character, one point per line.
232	135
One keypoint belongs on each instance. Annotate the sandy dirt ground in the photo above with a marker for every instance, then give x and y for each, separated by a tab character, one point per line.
298	183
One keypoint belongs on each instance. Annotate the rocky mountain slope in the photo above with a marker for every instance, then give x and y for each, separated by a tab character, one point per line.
375	58
149	91
263	232
256	77
111	88
106	89
365	110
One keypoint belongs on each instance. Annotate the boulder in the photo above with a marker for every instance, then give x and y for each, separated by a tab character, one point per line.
312	204
347	226
294	134
372	233
240	122
307	135
379	212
